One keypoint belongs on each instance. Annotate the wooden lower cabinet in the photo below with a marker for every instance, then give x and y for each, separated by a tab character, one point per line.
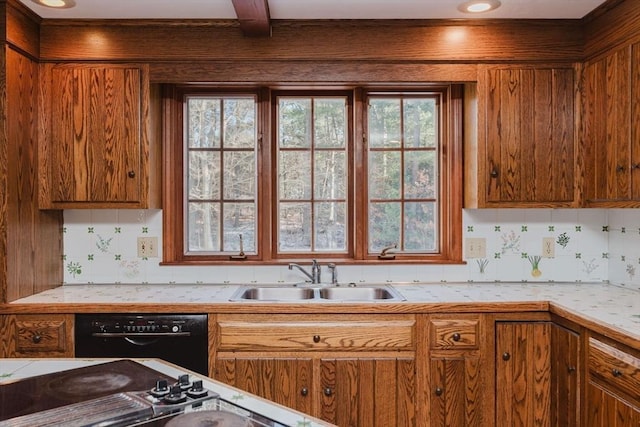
523	374
350	370
457	376
37	335
566	377
613	386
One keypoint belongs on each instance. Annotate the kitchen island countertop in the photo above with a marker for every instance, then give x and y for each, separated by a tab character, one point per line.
16	369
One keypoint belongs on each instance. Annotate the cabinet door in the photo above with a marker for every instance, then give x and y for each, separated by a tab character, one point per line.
607	127
96	146
528	136
287	381
565	377
456	390
523	368
368	392
606	410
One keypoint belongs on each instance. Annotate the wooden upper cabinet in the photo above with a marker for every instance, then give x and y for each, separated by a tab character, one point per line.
611	129
95	142
526	144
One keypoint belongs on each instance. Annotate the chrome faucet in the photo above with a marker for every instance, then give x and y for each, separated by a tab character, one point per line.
315	271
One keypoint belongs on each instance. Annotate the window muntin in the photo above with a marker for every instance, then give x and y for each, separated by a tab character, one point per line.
220	169
311	152
403	163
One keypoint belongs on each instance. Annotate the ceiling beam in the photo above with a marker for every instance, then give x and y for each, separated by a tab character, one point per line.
254	17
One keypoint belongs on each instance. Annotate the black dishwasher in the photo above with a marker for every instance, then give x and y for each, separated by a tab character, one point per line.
177	338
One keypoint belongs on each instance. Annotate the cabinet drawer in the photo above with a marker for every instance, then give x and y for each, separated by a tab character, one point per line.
39	335
614	367
315	333
454	333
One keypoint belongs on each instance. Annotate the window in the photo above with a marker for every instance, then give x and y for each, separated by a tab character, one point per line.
268	176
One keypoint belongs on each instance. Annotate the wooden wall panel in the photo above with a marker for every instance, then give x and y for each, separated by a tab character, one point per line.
22	26
4	200
33	237
433	40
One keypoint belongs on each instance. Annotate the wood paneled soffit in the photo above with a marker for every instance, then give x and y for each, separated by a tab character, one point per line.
20	28
253	16
408	41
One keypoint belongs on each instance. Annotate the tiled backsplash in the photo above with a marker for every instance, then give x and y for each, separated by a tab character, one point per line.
589	245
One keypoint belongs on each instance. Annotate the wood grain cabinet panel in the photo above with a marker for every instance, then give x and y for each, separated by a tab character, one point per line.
95	142
523	374
351	370
613	388
458	355
526	145
38	335
611	129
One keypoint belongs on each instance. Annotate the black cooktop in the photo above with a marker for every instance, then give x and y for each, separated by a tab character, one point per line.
35	394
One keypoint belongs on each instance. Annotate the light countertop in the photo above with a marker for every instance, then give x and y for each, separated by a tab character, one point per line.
614	307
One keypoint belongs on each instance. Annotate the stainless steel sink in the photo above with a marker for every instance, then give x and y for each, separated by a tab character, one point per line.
277	293
355	293
350	292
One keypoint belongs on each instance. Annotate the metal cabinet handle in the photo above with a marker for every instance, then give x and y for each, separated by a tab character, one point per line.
616	373
328	391
438	391
304	391
506	356
36	338
131	174
316	338
456	337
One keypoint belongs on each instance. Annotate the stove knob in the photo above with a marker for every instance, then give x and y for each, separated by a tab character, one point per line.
161	388
183	382
175	395
197	390
175	328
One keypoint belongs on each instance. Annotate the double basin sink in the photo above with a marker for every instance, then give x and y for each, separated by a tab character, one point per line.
307	292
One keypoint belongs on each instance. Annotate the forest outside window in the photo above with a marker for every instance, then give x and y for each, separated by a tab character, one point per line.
269	176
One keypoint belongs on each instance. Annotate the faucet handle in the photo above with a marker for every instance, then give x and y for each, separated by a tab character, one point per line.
334	273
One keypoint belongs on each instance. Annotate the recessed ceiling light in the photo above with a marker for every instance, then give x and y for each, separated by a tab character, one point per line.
479	6
58	4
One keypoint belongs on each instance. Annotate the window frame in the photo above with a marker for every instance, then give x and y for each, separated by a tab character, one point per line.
450	159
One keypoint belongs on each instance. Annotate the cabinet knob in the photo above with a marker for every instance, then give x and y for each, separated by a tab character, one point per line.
131	174
316	338
636	166
506	356
619	168
571	369
327	391
493	173
36	338
616	373
304	391
438	391
456	337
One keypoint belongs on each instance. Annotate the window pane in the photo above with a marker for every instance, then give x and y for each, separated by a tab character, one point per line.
204	175
420	227
420	123
384	123
239	175
204	123
239	123
384	175
294	122
330	175
329	123
384	225
204	223
419	174
295	227
294	177
330	227
239	220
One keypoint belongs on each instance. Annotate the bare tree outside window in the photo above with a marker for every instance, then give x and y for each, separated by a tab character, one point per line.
221	174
